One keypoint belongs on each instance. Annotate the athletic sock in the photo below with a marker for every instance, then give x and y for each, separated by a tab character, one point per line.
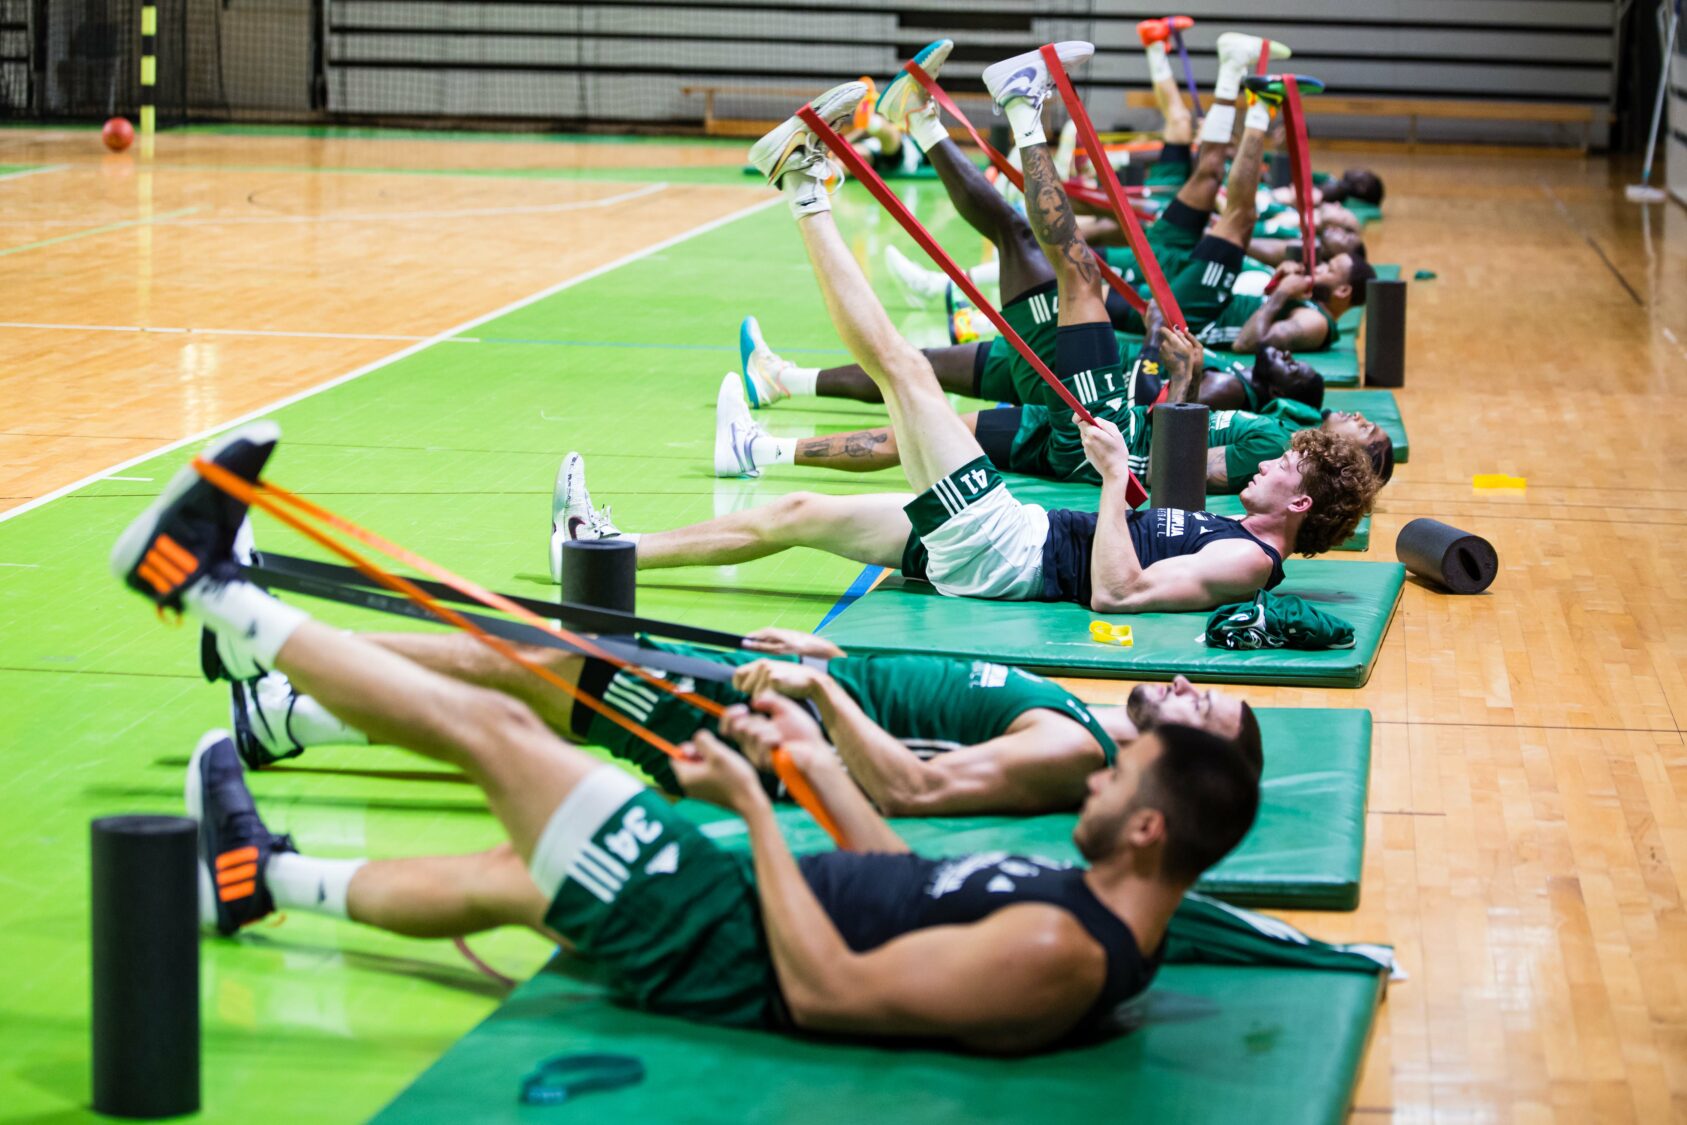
1026	120
316	886
804	194
800	380
926	127
307	722
1258	117
1219	125
1159	66
765	449
248	622
986	273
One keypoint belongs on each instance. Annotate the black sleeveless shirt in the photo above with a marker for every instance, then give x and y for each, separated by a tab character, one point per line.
874	897
1157	533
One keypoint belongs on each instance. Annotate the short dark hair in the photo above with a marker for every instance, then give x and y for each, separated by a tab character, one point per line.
1248	742
1208	794
1359	275
1363	184
1381	449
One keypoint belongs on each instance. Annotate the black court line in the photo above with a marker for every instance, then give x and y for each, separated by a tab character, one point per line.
1570	221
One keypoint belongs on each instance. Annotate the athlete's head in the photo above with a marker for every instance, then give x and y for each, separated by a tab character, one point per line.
1327	215
1356	183
1338	282
1325	482
1281	375
1178	799
1333	240
1212	710
1378	445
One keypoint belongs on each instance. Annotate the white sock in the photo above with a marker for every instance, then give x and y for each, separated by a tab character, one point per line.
1066	149
804	194
1258	118
800	380
765	449
926	127
986	273
1229	82
1159	66
246	620
1026	120
307	722
1219	124
316	886
631	537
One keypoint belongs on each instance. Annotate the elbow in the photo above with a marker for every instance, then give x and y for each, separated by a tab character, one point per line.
919	795
1107	602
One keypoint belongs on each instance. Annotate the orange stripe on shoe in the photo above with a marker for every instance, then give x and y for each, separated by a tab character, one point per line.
238	890
164	567
180	554
238	855
236	874
154	579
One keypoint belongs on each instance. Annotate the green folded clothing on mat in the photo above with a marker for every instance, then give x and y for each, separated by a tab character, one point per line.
1084	497
1276	621
1208	1042
906	616
1305	851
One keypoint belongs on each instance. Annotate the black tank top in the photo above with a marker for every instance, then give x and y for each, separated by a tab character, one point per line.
1157	533
874	897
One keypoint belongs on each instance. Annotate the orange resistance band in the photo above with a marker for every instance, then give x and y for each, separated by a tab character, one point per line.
273	499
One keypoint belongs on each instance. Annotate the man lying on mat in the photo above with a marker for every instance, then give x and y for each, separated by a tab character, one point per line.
921	735
991	952
964	532
1025	439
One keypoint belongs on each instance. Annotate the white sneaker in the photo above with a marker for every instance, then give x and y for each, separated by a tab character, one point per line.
902	94
761	367
572	514
790	147
921	286
1240	50
1027	76
734	431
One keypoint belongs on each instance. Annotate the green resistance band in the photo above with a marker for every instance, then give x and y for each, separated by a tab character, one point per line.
559	1078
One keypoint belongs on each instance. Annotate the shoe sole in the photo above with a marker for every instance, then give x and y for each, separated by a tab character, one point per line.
1072	52
893	102
749	339
133	543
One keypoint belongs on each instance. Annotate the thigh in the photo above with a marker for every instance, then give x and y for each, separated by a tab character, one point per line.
1203	287
870	529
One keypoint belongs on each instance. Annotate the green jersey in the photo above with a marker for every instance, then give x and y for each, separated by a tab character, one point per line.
1222	332
930	703
1251	438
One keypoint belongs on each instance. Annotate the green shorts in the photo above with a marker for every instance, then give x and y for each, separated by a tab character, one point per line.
673	919
1167	173
657	711
1005	376
1173	237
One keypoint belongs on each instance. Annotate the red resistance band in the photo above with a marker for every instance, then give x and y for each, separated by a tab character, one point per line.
1300	169
1145	260
1135	494
276	500
1017	178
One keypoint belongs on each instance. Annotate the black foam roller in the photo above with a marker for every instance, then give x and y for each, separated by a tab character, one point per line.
1282	170
600	572
145	921
1385	333
1177	457
1462	562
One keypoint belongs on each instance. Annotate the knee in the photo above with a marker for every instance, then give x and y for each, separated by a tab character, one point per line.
499	724
794	512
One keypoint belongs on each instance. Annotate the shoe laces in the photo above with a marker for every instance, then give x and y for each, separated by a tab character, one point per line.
599	521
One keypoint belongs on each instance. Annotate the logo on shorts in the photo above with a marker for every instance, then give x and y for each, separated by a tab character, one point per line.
665	863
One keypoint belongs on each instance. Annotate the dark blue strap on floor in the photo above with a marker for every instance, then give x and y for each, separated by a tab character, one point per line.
562	1077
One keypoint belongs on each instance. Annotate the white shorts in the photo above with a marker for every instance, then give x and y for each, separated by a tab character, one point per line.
972	539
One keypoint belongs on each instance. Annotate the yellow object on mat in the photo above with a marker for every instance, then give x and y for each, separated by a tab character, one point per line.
1499	480
1107	633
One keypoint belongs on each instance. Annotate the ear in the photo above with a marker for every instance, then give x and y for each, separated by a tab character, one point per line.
1146	828
1342	292
1301	503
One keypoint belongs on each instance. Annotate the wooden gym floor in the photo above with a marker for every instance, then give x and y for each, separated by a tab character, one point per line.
1527	834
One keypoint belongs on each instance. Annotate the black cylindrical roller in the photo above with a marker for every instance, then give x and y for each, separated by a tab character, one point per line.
145	920
1282	170
600	572
1385	333
1462	562
1177	457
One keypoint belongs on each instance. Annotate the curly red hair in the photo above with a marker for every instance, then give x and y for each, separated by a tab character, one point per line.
1336	472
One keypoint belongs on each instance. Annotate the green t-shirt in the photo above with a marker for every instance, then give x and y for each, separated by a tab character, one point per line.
1222	333
934	703
1251	438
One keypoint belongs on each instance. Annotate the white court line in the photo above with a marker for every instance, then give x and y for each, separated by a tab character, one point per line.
387	216
300	396
22	172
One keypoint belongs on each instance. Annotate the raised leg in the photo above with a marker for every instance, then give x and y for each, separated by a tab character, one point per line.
1023	265
955	368
868	529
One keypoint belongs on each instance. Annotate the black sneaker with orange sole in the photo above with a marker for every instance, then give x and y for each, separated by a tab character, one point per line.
234	843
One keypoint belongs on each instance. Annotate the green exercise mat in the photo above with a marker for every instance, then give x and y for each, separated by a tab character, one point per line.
903	616
1381	407
1304	852
1210	1043
1084	497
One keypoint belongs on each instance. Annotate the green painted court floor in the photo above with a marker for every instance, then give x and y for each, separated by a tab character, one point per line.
450	451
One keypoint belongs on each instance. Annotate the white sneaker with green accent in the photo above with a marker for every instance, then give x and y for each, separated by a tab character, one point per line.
762	368
735	430
1027	76
791	147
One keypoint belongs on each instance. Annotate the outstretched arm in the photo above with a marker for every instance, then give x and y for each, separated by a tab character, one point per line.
1301	330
